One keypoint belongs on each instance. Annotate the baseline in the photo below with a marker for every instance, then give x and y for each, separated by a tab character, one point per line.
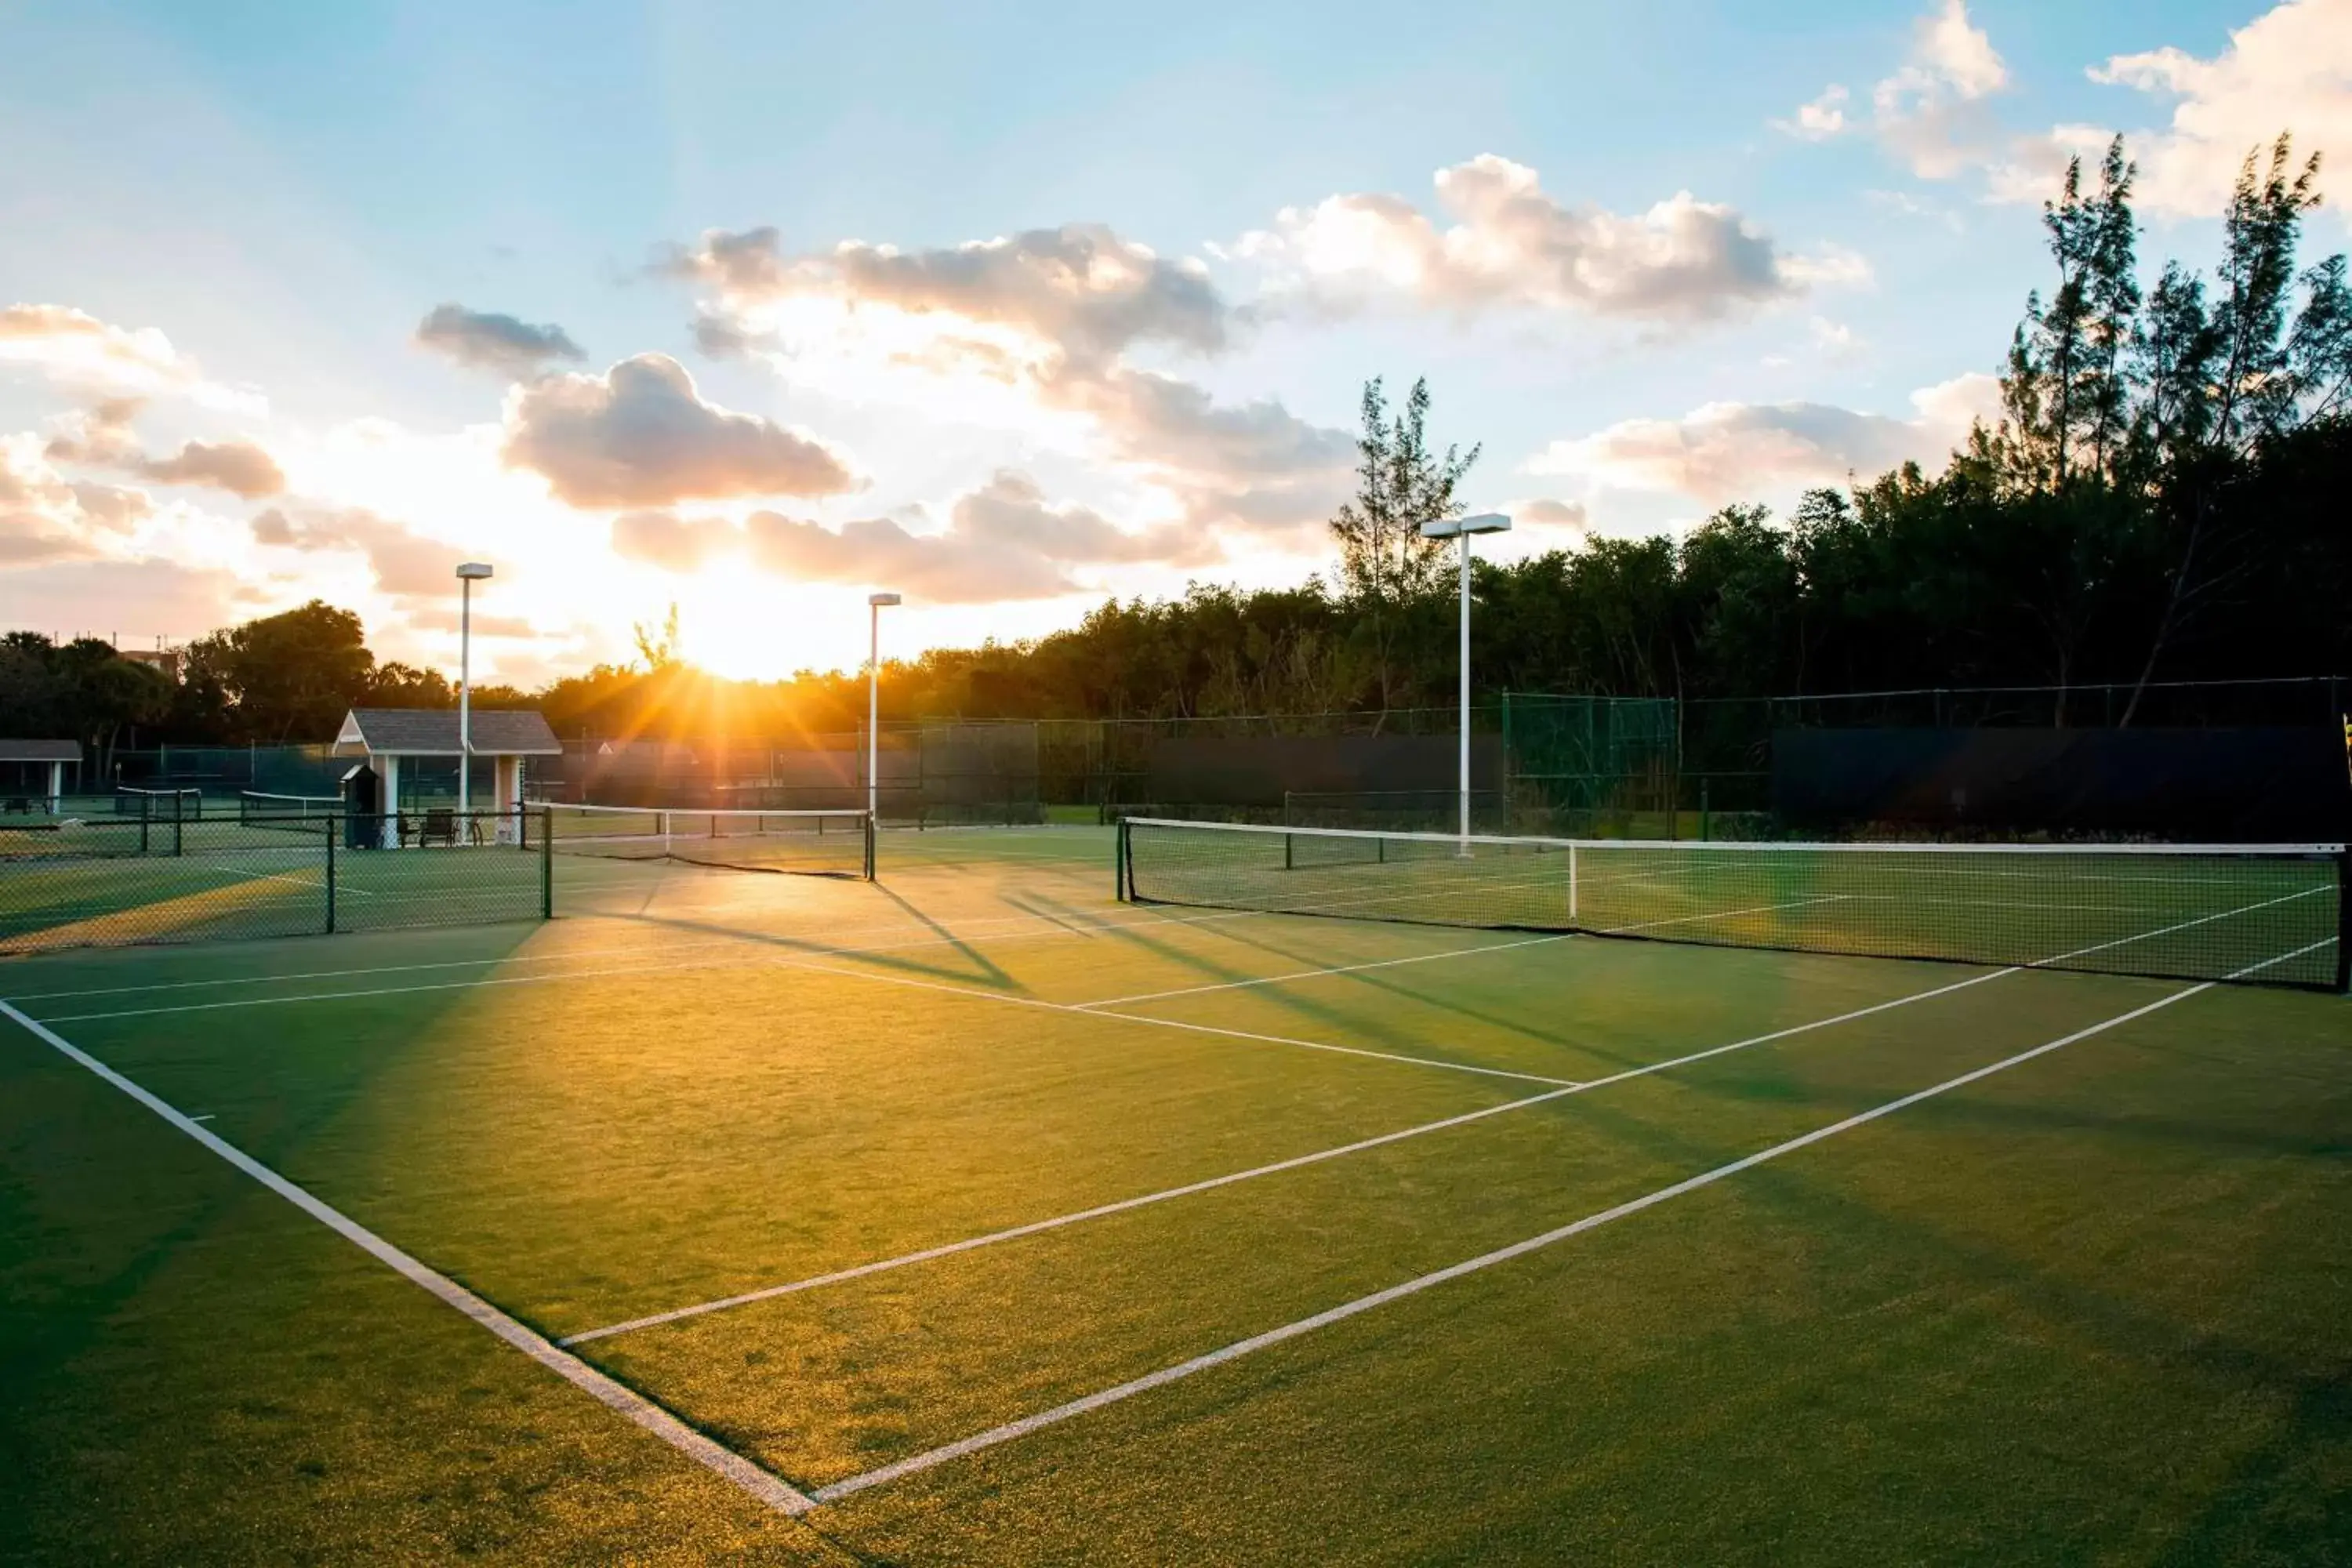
721	1460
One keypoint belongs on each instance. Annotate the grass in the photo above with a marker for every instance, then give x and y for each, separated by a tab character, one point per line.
2088	1307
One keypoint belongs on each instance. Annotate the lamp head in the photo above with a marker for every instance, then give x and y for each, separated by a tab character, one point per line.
1479	522
473	571
879	599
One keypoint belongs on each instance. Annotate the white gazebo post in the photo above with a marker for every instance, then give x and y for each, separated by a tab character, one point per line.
469	573
875	603
387	783
56	788
1462	527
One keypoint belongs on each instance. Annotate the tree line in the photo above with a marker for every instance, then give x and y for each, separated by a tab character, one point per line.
2160	498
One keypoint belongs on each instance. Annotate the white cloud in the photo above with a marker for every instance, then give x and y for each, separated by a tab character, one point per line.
1931	111
1819	121
44	517
402	563
1514	246
1002	541
641	436
2288	69
80	350
1028	336
1080	289
1724	452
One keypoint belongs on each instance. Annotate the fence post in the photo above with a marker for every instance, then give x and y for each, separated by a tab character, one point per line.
546	863
2343	920
334	831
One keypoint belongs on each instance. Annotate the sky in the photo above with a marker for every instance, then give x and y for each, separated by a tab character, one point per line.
755	308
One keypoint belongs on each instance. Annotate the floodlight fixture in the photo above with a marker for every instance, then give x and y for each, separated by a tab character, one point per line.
1457	527
473	571
880	600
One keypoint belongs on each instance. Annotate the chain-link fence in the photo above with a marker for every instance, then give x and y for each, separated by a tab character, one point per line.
117	880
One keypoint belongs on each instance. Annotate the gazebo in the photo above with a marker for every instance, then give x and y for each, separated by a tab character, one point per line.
388	737
56	755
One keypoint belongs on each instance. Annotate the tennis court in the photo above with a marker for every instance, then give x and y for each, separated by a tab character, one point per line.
970	1214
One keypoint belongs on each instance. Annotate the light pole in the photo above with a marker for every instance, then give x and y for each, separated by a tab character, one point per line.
1462	527
874	606
469	573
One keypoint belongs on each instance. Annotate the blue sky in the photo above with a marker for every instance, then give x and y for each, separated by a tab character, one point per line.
1114	278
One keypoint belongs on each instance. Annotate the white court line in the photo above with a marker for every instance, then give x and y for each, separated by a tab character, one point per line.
1318	974
725	1462
568	954
1043	1418
1083	1012
763	953
1033	1227
1057	1221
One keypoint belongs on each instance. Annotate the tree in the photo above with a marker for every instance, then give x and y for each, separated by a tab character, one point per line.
658	646
2064	397
286	677
2258	377
1385	563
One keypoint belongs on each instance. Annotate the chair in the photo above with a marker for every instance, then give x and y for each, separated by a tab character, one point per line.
440	826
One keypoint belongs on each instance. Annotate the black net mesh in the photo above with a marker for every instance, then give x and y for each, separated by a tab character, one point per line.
821	842
133	879
2258	913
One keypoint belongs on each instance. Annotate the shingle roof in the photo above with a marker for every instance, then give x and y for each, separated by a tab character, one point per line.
432	732
40	751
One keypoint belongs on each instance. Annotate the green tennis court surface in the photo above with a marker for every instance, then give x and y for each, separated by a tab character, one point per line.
1003	1222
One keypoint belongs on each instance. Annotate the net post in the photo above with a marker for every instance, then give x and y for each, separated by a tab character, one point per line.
546	863
331	880
1123	871
2343	920
1571	881
868	820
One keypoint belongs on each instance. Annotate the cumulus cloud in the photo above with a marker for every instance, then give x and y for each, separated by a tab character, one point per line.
1081	288
1002	541
1723	452
1256	464
44	517
640	435
487	340
1819	121
403	563
1512	244
102	437
2290	69
76	348
239	467
1931	111
1032	328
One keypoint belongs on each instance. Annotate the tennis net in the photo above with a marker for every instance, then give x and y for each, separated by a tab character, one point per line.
159	805
821	842
289	812
2261	913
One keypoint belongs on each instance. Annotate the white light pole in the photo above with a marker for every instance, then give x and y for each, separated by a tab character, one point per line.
1462	527
874	606
469	573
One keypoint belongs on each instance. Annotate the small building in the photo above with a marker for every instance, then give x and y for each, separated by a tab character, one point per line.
44	759
406	745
